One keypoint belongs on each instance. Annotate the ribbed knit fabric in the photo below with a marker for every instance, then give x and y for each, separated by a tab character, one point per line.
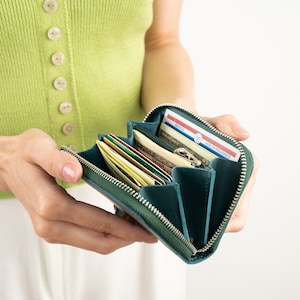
103	45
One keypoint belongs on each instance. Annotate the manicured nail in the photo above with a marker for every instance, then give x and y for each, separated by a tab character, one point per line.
69	173
240	130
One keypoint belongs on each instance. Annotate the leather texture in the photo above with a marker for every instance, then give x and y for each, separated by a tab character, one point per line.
198	203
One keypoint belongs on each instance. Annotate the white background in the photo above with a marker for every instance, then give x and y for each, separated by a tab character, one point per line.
246	56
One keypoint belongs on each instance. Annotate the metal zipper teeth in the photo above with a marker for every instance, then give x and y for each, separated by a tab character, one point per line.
243	160
175	231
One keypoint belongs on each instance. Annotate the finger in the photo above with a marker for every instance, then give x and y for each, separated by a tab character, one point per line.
97	219
40	149
228	124
77	236
63	207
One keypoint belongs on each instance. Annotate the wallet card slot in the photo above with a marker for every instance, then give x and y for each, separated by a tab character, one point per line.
149	129
170	205
196	187
167	199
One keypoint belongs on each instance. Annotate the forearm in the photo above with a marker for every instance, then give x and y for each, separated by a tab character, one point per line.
168	76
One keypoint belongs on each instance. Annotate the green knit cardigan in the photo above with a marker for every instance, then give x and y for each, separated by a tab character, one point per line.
72	68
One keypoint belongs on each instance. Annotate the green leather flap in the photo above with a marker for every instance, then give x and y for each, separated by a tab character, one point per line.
196	185
167	199
224	190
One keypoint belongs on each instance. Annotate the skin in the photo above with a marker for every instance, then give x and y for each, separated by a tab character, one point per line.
30	161
230	125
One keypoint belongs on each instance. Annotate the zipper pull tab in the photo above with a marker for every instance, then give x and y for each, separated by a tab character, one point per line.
188	156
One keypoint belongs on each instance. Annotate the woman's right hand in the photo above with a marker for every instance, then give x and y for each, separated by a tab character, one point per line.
29	164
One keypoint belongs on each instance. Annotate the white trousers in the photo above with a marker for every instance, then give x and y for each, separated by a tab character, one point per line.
31	269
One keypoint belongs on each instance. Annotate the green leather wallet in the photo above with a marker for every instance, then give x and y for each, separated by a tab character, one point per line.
190	213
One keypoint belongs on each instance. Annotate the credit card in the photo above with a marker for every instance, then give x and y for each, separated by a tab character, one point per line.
201	136
139	157
131	157
118	173
140	177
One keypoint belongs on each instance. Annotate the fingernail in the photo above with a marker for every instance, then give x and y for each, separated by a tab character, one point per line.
69	173
151	240
240	130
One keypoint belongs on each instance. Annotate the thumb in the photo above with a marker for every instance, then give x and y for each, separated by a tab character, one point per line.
229	125
40	149
71	169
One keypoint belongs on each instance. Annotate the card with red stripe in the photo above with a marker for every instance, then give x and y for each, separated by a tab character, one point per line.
201	136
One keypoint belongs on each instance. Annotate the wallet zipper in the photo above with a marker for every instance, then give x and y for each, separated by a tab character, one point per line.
239	189
160	216
134	194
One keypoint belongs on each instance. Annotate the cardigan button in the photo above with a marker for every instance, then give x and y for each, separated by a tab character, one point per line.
54	33
68	128
65	107
50	6
60	83
58	58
